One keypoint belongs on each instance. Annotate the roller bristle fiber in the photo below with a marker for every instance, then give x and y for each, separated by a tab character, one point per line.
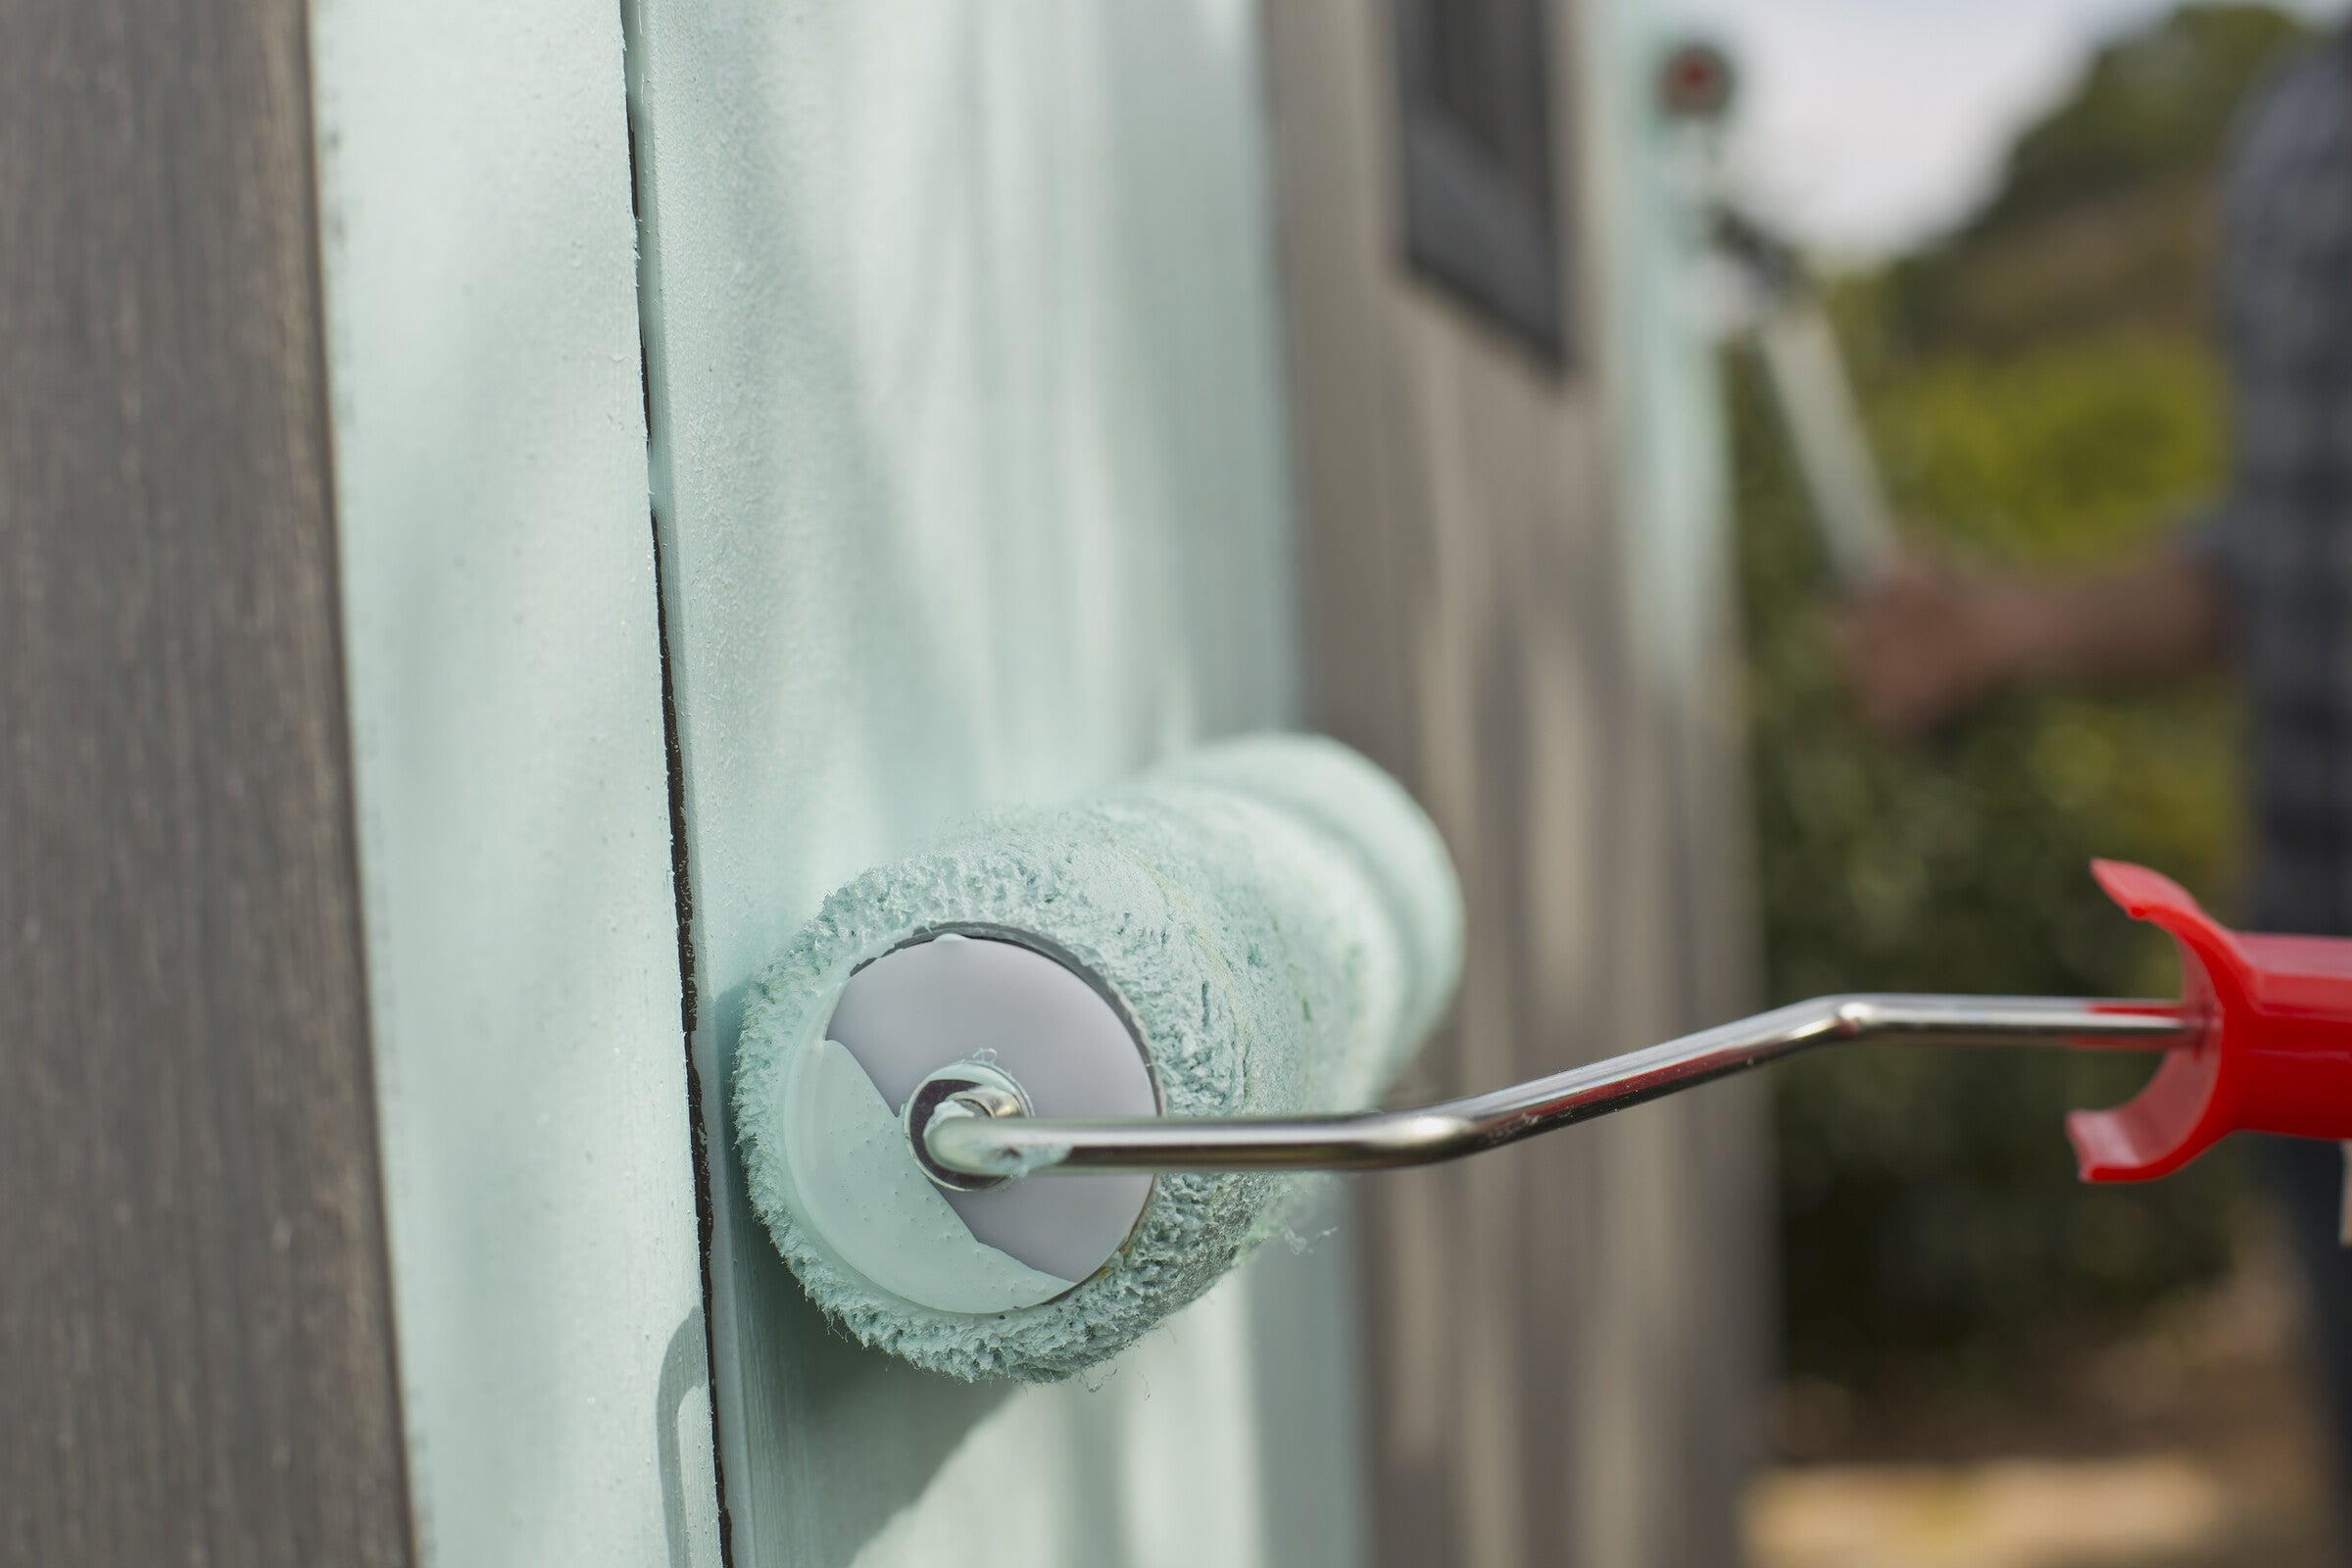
1278	920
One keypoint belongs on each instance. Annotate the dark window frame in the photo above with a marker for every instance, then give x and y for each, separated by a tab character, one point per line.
1480	206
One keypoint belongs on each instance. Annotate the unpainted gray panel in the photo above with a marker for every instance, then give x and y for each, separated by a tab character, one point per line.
195	1332
1511	610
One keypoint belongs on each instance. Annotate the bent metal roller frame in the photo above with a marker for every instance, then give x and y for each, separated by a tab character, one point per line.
2260	1040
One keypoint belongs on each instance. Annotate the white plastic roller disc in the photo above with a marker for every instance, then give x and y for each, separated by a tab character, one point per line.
956	998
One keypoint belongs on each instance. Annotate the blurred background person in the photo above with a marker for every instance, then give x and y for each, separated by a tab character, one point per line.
2049	238
2261	582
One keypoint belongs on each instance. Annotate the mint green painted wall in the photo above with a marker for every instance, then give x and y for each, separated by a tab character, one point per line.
969	459
505	708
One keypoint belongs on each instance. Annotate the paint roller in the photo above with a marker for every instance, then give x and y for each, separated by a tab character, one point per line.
1268	927
1007	1105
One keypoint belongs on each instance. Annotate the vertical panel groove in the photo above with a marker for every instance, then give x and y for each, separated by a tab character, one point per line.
681	857
680	870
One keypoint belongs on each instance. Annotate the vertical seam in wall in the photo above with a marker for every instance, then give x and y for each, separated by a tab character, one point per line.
699	1130
681	866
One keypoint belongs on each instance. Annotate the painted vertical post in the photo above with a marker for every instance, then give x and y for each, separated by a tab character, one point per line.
513	789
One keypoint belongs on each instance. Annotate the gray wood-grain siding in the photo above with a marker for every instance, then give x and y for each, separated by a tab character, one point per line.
1564	1337
195	1342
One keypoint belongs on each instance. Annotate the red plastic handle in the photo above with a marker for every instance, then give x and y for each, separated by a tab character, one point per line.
2276	1051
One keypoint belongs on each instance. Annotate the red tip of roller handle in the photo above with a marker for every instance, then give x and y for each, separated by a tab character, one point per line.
2276	1055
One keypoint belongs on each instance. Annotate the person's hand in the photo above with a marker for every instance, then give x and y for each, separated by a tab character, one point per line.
1922	644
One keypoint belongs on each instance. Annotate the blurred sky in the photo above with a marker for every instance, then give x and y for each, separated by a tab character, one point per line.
1865	125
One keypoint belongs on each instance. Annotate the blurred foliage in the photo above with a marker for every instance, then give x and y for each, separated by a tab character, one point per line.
1932	1227
2104	218
1931	1217
2149	106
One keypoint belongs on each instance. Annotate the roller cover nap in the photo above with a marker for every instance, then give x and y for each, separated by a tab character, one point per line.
1279	922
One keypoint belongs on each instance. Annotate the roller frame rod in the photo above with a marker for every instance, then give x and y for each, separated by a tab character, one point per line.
992	1140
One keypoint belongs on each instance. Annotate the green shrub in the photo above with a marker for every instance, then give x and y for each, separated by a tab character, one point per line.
2041	393
1930	1221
